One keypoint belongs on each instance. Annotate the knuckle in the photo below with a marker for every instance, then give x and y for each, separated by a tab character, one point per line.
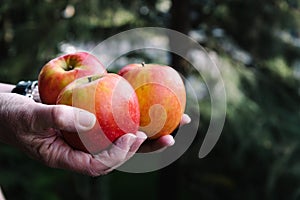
63	118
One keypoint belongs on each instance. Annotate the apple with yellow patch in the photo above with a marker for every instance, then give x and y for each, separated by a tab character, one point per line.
114	103
60	71
161	95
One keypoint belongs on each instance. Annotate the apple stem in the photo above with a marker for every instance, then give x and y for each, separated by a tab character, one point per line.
70	67
143	64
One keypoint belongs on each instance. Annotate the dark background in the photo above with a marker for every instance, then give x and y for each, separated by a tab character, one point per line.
256	42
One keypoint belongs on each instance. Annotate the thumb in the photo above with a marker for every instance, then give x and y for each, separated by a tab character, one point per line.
63	117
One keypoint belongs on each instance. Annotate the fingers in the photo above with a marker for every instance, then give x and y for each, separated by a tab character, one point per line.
141	137
73	119
63	118
185	120
164	141
62	156
123	149
118	151
158	144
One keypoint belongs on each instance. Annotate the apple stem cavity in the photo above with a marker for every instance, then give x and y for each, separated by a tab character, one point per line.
70	67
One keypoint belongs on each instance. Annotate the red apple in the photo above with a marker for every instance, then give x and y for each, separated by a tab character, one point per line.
113	101
161	95
61	71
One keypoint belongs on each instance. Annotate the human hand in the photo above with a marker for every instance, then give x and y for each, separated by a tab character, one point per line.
164	141
34	128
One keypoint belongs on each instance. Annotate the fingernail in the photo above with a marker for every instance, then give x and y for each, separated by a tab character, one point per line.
185	120
188	119
170	141
86	119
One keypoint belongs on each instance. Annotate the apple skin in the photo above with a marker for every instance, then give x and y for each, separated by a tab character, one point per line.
59	72
161	94
113	101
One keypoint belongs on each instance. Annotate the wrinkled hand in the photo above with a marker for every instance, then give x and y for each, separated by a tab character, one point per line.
34	128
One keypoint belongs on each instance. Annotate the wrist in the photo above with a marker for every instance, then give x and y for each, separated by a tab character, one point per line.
28	89
6	88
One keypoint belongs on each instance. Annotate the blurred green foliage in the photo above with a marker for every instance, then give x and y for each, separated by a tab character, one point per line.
258	47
